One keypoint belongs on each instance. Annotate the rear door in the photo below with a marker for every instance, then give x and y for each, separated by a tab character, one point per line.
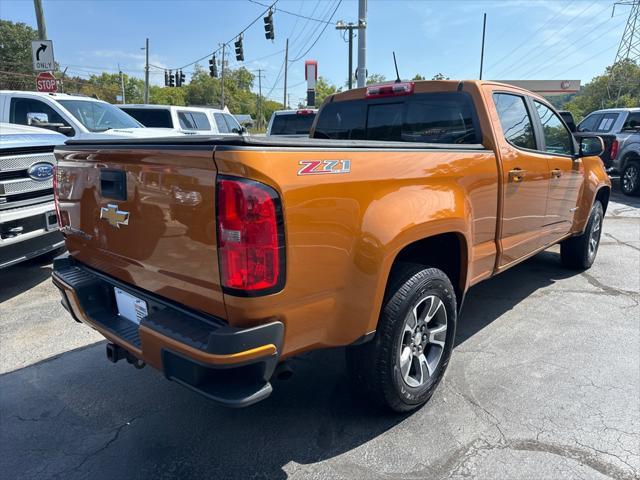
566	172
146	216
525	177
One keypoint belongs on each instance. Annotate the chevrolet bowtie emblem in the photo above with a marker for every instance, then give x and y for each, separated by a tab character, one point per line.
115	217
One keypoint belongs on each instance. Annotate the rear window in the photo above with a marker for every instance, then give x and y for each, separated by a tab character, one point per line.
292	124
423	117
599	122
159	118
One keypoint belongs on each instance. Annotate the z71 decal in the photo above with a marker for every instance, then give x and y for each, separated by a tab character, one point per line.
321	167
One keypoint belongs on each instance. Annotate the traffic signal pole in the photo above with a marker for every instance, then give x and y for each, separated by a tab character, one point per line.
146	72
286	64
42	28
361	73
222	78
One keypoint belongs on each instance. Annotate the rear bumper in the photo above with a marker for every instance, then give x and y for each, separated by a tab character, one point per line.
228	365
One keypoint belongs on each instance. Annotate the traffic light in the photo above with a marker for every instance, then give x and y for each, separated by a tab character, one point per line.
177	78
268	26
166	78
213	67
239	50
181	78
171	82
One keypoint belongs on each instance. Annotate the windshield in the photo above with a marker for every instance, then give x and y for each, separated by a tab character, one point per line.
292	124
98	116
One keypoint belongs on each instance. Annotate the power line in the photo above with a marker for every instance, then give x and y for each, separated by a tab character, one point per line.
314	29
529	37
582	61
525	60
320	35
228	42
290	13
549	61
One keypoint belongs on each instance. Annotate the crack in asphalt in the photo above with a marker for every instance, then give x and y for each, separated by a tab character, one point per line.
620	242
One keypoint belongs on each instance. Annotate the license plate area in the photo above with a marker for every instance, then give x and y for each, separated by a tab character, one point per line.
129	306
51	220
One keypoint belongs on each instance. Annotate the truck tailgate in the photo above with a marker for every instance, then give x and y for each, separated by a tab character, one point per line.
145	216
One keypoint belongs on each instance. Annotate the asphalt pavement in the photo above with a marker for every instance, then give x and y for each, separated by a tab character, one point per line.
544	383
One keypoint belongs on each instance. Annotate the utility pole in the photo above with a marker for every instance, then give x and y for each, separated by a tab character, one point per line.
350	27
288	101
146	73
42	28
124	100
484	29
361	73
222	78
286	64
259	106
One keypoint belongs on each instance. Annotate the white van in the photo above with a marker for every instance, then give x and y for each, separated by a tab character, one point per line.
189	120
75	116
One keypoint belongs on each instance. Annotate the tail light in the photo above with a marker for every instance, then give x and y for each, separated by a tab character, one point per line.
250	237
614	150
390	90
305	111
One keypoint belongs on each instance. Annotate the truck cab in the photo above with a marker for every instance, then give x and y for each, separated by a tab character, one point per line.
75	116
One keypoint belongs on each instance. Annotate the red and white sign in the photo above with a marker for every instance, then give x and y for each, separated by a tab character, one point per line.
46	82
311	73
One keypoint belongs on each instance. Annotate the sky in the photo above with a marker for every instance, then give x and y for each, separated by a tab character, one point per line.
525	39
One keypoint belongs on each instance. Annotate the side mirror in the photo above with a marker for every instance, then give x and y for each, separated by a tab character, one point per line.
37	119
591	147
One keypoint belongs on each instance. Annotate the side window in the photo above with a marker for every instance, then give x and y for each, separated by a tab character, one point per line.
200	120
222	125
232	123
186	121
26	111
606	122
632	122
589	123
515	120
557	139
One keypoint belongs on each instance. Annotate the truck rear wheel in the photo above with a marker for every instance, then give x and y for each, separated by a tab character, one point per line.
630	179
402	366
580	252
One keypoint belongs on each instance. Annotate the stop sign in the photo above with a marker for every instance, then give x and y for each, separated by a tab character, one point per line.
46	82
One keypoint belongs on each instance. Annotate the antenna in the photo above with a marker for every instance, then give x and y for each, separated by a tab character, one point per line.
396	65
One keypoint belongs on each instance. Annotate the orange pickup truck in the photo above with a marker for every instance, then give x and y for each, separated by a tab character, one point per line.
217	259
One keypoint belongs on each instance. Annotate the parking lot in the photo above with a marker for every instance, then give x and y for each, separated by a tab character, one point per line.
543	383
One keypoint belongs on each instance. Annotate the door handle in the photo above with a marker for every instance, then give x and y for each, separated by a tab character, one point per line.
516	175
556	173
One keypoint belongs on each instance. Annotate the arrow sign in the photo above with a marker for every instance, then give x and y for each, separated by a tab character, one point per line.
42	53
42	48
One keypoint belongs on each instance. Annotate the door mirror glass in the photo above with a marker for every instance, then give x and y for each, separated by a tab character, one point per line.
37	119
591	147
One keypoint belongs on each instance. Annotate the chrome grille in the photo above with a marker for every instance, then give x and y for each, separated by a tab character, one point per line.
11	187
11	163
18	189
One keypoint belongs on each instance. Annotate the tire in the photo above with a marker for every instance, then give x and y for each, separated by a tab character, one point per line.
402	366
630	179
580	252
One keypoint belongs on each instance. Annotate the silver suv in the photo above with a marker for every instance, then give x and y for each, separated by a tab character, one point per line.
624	123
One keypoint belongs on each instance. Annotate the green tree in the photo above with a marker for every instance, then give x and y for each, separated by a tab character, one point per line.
417	77
376	78
619	86
166	96
16	69
324	89
439	76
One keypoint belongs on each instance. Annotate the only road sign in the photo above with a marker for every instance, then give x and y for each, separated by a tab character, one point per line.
42	52
46	82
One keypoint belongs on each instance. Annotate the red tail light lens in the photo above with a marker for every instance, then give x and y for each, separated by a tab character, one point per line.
390	90
250	237
614	150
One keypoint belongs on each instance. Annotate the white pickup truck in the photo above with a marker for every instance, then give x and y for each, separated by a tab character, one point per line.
28	223
77	117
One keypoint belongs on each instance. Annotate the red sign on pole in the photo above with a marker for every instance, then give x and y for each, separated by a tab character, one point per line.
46	82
